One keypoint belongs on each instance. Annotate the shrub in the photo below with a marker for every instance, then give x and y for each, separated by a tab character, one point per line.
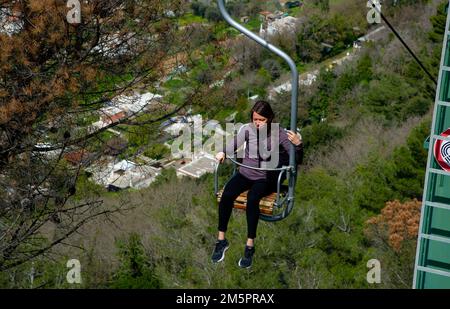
135	271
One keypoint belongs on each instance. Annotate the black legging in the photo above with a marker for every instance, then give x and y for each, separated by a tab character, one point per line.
257	190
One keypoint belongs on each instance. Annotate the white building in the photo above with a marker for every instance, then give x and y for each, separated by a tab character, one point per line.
176	125
124	174
124	106
202	164
279	26
306	79
114	45
310	78
135	103
10	22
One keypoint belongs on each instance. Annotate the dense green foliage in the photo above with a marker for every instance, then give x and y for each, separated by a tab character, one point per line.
135	271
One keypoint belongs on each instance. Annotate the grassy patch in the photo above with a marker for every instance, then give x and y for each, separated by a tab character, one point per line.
254	24
190	18
295	12
175	84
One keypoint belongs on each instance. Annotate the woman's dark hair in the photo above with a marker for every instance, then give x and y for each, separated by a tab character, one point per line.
264	109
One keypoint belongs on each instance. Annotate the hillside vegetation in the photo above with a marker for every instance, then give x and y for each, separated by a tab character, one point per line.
358	192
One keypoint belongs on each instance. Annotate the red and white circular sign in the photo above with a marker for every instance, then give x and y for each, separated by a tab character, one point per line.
442	151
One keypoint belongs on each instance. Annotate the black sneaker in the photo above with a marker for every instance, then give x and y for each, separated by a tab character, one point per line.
246	261
219	251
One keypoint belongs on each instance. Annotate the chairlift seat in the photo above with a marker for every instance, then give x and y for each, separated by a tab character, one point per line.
266	205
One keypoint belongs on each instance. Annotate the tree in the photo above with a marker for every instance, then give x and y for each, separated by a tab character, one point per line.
115	146
135	271
394	234
324	5
335	30
212	14
247	53
199	8
273	67
51	74
157	151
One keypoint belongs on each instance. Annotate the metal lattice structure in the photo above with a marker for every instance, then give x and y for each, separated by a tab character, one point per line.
432	265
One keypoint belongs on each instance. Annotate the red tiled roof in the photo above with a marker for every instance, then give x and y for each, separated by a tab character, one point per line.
114	118
76	157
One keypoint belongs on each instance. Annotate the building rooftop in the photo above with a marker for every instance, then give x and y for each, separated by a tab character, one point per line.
123	174
197	168
78	157
10	22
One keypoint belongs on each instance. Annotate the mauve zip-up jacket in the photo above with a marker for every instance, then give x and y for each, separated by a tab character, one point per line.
262	157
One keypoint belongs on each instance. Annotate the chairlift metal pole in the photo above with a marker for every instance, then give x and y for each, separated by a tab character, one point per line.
294	96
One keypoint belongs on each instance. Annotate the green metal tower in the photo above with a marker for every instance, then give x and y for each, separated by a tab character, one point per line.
432	266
